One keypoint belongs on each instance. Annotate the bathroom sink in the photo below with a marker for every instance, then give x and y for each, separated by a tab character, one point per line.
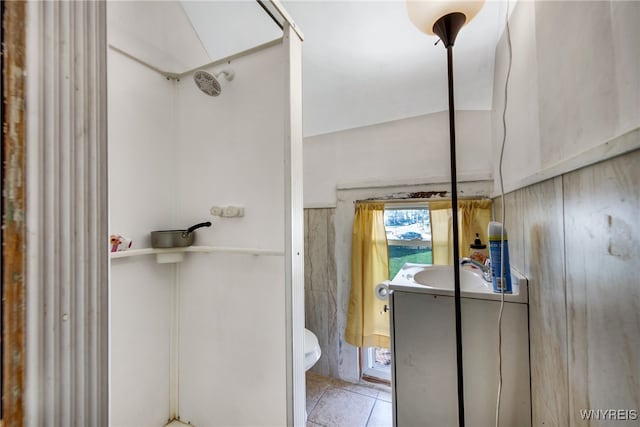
441	276
438	280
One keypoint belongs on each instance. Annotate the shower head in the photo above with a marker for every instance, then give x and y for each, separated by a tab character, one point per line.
208	83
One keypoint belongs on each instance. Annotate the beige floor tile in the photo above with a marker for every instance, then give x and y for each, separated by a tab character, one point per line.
342	408
377	386
385	395
366	388
360	389
316	386
381	415
317	377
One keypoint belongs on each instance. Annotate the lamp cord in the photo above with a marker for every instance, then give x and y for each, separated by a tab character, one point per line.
503	213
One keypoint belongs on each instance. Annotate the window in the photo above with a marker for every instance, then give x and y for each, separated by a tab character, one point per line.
408	236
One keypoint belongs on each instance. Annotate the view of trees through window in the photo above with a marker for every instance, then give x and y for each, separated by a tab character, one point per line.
409	237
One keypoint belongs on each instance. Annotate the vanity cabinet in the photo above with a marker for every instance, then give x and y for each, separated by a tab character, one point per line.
424	378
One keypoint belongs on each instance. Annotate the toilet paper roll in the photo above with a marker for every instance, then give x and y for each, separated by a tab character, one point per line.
382	291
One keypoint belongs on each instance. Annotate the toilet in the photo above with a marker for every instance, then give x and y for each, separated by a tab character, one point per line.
311	349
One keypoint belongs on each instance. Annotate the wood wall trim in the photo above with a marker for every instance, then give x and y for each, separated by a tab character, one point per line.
13	209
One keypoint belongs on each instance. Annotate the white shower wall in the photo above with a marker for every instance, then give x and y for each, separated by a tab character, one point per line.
231	152
174	153
140	153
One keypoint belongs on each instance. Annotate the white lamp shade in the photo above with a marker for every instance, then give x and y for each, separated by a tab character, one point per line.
425	13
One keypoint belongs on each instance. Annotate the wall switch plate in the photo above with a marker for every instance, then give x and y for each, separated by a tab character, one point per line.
232	211
227	211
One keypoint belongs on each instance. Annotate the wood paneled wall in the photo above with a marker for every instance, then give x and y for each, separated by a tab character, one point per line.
14	231
577	238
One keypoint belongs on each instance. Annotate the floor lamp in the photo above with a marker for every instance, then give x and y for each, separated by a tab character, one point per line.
445	19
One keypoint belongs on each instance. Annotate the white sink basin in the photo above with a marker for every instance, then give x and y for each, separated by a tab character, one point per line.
441	276
438	280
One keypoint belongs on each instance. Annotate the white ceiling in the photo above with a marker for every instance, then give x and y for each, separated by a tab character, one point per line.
363	61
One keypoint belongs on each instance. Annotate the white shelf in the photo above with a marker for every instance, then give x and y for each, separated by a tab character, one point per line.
177	254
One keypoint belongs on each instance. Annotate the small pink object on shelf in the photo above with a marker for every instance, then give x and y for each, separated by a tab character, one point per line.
119	243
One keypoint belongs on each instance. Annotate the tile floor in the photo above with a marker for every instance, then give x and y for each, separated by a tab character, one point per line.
335	403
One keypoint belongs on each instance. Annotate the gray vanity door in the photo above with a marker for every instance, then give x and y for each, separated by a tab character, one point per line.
424	366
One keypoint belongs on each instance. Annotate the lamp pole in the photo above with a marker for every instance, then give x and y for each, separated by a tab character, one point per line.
447	29
445	19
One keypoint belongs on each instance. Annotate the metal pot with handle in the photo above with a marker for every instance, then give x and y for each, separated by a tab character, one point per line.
176	238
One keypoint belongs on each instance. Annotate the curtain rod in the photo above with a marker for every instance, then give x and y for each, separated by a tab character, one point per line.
424	200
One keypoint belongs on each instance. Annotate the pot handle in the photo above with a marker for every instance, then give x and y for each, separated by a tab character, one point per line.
195	227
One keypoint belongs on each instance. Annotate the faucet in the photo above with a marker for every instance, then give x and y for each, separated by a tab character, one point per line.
486	267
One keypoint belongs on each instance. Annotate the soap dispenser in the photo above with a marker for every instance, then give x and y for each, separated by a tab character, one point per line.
478	250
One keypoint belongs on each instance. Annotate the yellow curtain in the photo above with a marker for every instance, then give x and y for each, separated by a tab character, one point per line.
473	217
367	322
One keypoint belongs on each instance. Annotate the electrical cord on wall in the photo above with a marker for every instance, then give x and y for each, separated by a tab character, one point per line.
502	272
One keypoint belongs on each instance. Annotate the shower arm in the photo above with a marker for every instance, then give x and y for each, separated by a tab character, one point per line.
228	74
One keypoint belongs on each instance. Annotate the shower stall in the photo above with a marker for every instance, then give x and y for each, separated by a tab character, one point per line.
205	125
